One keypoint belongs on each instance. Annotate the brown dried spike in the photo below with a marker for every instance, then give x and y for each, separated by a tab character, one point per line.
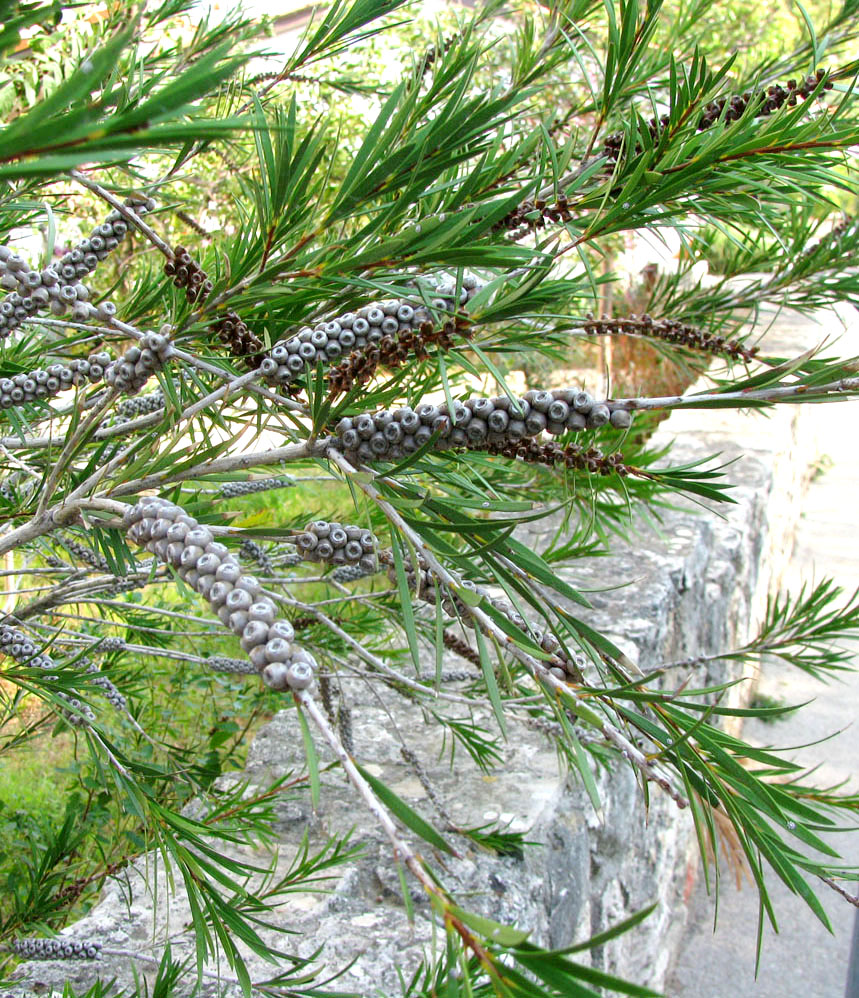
392	352
462	648
669	331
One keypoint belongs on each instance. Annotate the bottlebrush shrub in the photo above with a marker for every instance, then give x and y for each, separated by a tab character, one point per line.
318	352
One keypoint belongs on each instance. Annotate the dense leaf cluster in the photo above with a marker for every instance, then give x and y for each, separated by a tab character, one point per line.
336	346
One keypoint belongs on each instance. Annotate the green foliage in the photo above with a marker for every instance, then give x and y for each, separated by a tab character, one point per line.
519	150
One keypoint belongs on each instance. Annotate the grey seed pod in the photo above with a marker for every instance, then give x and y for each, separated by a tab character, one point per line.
422	436
365	427
161	526
516	429
228	571
427	413
199	535
353	550
299	675
382	419
306	541
256	632
393	433
535	423
282	629
191	555
540	400
347	339
497	421
360	327
263	610
175	553
324	549
582	402
598	416
476	431
237	621
277	649
257	657
558	411
379	444
576	422
239	599
276	676
350	439
219	592
621	419
410	421
177	531
250	584
337	536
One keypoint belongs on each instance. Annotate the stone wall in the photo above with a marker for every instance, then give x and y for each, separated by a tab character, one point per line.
691	584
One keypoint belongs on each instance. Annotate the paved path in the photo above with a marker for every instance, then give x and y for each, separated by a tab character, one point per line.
803	960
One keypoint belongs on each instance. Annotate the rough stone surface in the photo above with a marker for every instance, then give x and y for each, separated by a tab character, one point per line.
694	584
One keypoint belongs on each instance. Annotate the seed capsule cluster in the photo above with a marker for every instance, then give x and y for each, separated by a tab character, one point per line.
108	690
56	949
33	291
351	573
338	544
764	102
571	455
42	383
535	214
237	599
344	728
234	333
188	274
669	330
462	648
15	643
847	227
338	337
141	405
480	421
250	549
134	368
232	490
103	240
112	644
393	351
223	663
126	585
85	554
